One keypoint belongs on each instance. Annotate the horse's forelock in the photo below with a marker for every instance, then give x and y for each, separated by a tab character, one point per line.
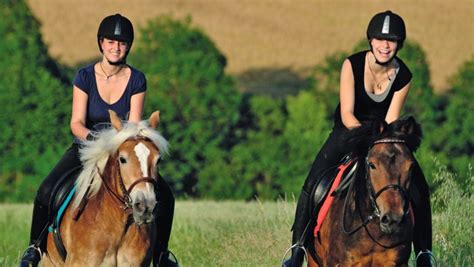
408	130
361	138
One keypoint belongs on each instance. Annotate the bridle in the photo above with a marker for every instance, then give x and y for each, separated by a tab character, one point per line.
124	197
374	195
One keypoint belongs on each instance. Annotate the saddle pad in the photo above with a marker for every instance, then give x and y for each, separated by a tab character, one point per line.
330	198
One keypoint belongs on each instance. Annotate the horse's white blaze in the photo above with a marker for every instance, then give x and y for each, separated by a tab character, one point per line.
142	154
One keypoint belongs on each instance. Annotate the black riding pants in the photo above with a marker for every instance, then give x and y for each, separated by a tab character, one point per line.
68	161
330	154
164	216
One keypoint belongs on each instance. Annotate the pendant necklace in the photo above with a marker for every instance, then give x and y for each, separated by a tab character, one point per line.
108	76
378	83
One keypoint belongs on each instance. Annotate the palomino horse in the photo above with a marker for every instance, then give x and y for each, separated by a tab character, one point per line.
116	226
371	224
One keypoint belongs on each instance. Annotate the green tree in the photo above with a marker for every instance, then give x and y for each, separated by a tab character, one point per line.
306	129
33	101
252	166
454	138
274	157
199	103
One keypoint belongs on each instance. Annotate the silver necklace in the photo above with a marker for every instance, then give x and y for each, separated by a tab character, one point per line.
378	83
108	76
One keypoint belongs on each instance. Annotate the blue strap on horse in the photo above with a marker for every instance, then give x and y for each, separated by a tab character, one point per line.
61	197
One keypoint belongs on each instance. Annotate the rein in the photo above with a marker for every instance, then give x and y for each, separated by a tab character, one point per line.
373	197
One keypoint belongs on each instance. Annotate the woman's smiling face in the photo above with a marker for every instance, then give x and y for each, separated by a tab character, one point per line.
383	50
114	50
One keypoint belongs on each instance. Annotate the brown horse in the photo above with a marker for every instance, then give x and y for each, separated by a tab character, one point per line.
371	223
116	191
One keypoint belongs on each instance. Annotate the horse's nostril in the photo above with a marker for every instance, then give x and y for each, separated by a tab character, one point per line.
139	206
386	219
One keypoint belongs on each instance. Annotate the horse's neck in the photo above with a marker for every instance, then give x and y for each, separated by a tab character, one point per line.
362	196
106	201
357	205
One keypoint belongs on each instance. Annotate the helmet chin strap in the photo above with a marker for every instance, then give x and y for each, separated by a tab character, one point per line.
118	63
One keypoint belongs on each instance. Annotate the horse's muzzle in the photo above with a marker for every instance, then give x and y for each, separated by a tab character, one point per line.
143	209
390	223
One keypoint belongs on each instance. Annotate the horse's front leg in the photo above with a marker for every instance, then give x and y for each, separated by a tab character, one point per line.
311	262
137	246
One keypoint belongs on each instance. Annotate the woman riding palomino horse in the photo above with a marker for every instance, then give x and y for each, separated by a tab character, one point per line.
373	86
110	84
111	219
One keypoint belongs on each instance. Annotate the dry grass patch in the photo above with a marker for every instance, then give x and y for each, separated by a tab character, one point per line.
271	33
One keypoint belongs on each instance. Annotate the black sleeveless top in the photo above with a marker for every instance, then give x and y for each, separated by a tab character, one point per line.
365	108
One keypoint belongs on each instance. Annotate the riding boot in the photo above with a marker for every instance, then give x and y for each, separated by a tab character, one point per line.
422	232
422	239
32	255
300	226
162	257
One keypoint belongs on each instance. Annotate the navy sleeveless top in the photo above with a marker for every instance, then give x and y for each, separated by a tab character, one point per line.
97	116
365	108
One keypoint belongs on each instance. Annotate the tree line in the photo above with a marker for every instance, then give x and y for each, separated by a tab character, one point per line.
224	144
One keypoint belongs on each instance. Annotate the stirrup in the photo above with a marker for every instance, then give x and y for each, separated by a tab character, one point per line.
170	257
295	246
432	259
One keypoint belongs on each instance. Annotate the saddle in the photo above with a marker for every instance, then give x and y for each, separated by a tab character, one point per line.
61	196
332	182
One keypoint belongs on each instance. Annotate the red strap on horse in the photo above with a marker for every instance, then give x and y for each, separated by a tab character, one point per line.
328	201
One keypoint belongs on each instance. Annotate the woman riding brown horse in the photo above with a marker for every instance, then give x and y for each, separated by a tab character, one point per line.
371	223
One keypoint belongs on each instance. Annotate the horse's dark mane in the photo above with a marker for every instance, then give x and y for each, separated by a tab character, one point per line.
360	139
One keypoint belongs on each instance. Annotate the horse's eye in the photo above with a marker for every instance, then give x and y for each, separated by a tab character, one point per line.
122	160
371	165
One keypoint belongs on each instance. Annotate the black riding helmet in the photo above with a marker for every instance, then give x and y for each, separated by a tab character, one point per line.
387	26
116	27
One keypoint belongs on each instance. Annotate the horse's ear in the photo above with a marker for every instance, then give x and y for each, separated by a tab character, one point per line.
154	119
378	127
410	127
115	120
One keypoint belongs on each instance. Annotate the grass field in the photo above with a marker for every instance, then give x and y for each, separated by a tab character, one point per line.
208	233
294	34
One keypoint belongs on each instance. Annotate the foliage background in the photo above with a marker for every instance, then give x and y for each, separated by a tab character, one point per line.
225	144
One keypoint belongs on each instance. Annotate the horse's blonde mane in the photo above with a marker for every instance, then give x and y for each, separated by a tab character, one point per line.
94	154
